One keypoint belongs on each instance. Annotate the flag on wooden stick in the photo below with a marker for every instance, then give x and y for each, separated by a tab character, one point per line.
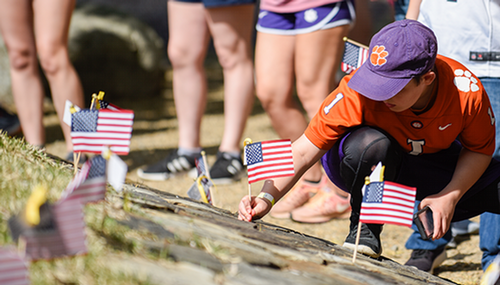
385	203
58	230
93	129
201	188
268	159
388	203
88	185
355	55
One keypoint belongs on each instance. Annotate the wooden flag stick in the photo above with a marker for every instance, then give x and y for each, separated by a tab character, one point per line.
346	39
250	193
204	157
246	142
358	234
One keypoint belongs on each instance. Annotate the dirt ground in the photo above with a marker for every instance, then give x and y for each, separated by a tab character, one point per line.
155	135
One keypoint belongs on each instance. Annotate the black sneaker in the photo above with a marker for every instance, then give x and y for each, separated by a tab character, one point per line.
427	260
369	240
172	165
9	123
226	169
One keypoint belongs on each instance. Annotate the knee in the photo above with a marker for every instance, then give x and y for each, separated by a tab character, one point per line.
364	148
22	59
182	56
52	58
230	54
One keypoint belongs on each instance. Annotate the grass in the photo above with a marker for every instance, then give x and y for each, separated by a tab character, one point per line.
23	167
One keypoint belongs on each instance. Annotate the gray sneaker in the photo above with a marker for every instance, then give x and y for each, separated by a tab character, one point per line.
164	169
427	260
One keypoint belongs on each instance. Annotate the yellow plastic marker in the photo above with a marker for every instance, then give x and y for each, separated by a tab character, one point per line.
37	198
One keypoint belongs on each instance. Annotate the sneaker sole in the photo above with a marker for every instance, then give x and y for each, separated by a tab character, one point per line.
224	181
363	249
439	259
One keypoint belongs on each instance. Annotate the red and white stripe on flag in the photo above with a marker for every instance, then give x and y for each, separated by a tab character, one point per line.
84	188
388	203
269	159
113	129
71	225
13	268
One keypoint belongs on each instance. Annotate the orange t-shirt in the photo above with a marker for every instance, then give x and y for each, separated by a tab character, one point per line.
461	110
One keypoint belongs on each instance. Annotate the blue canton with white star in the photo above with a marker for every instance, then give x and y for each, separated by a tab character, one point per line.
351	55
98	167
374	192
84	121
254	153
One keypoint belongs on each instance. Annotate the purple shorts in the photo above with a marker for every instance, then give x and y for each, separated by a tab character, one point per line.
307	21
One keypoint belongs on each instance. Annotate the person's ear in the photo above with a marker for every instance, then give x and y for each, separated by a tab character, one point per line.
429	77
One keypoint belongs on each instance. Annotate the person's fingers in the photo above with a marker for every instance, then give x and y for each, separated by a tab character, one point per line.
245	210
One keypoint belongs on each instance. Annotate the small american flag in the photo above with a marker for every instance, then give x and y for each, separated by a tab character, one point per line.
354	57
13	268
200	190
386	202
61	231
269	159
88	185
93	129
71	225
106	105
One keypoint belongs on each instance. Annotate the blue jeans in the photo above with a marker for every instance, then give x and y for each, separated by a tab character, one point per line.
400	9
489	229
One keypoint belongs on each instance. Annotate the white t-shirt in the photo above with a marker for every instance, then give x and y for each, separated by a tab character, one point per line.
463	26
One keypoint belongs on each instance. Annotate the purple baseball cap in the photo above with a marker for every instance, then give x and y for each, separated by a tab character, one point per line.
398	52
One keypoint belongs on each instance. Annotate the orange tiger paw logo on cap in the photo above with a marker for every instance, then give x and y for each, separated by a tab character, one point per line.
378	55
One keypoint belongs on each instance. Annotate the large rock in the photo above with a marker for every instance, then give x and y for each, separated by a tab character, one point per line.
112	52
116	53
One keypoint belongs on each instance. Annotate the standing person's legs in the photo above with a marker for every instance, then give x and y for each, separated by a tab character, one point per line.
16	25
274	67
489	238
231	28
52	19
187	47
489	230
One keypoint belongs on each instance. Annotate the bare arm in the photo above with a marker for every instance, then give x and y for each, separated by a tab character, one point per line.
413	9
470	166
305	154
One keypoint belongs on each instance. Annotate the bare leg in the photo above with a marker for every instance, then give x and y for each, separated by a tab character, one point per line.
52	19
317	58
16	22
231	29
274	64
188	40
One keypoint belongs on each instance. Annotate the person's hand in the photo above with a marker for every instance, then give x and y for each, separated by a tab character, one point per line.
254	209
443	208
